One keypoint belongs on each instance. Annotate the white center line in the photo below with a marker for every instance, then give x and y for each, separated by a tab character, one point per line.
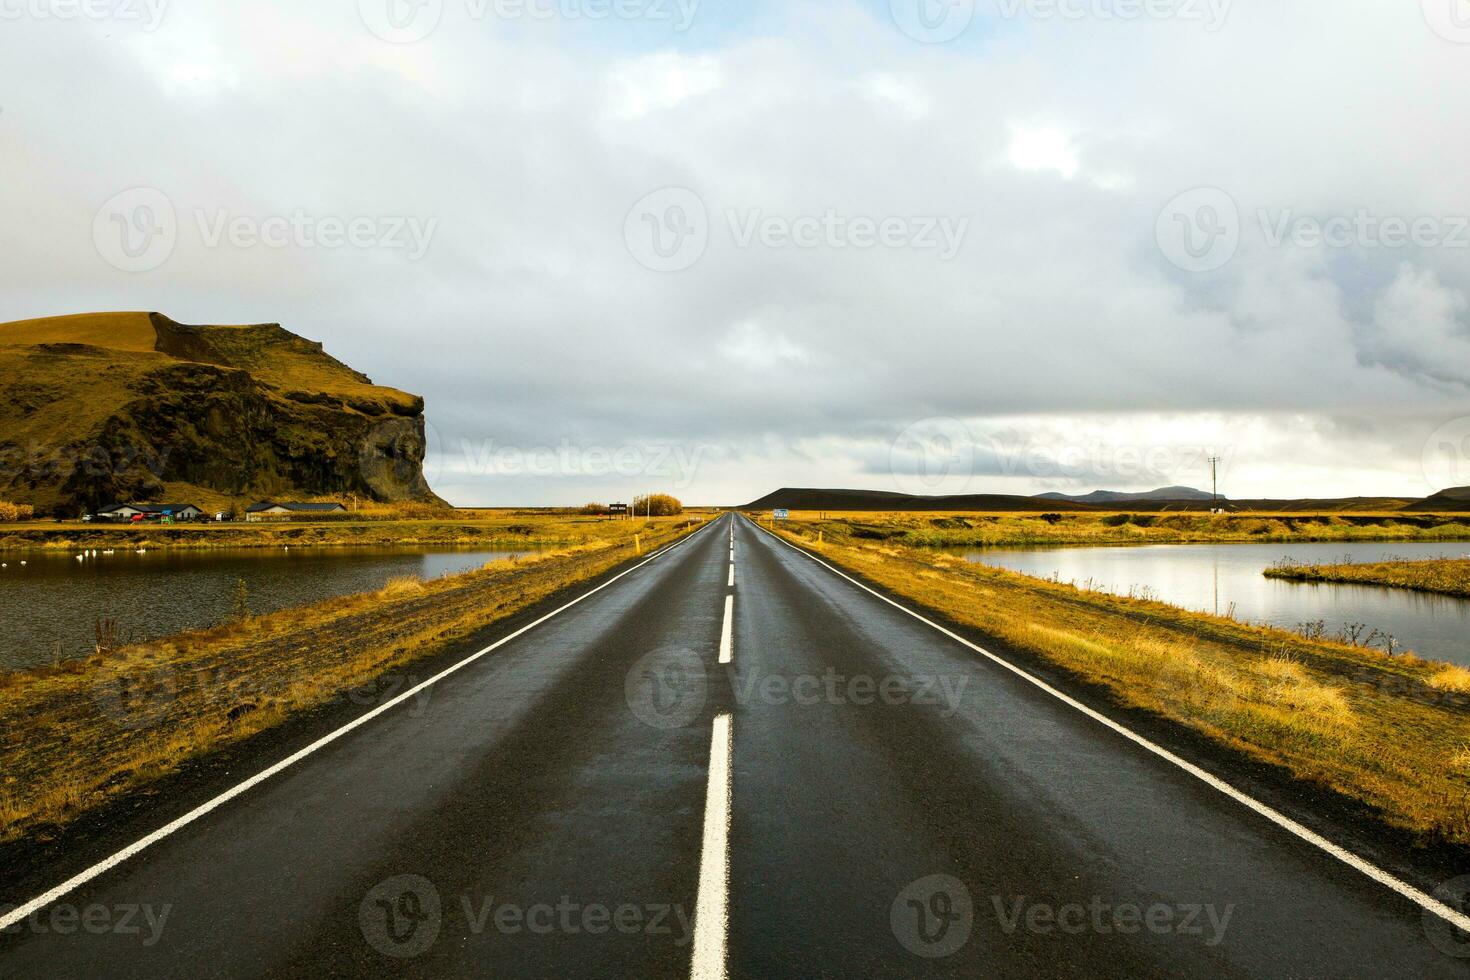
731	583
727	632
712	907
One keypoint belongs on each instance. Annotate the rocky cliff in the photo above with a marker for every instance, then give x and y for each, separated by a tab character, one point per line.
117	407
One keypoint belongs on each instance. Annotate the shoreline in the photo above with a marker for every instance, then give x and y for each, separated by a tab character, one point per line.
1448	577
1072	529
548	530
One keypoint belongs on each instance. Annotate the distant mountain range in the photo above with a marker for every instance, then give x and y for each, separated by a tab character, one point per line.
1117	497
1455	500
805	499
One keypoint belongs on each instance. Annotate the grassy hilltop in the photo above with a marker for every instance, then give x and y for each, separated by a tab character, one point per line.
110	407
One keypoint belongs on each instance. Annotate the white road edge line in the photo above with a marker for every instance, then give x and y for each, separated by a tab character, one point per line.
71	884
1425	901
727	632
712	907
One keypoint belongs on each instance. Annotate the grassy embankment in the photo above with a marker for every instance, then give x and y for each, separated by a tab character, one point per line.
377	528
1393	732
1445	576
75	735
924	530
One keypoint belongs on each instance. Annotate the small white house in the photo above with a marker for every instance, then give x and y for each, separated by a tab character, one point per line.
179	512
118	512
270	511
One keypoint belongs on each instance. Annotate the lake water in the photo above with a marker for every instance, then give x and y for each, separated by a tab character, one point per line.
1216	577
54	601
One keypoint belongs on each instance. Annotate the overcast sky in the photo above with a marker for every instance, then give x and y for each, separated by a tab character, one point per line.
720	247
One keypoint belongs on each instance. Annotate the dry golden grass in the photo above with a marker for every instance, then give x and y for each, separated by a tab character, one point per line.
1451	678
1445	576
67	393
74	735
1392	732
445	527
401	584
963	530
118	331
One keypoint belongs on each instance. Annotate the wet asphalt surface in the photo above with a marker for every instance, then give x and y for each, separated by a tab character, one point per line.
900	807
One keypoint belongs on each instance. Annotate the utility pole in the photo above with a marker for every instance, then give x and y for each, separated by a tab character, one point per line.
1214	484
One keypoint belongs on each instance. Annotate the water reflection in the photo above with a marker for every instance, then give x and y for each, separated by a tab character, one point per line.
1226	579
50	605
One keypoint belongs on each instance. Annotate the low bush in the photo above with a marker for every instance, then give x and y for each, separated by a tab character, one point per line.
10	513
657	505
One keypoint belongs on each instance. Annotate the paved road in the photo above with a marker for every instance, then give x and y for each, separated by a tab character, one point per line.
853	794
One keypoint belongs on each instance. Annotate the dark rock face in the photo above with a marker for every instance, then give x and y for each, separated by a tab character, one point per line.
293	423
391	460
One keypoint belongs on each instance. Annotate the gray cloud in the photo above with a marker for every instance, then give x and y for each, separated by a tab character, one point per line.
1060	325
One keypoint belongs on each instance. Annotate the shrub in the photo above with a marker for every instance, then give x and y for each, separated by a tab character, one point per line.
401	584
657	505
1451	678
10	513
